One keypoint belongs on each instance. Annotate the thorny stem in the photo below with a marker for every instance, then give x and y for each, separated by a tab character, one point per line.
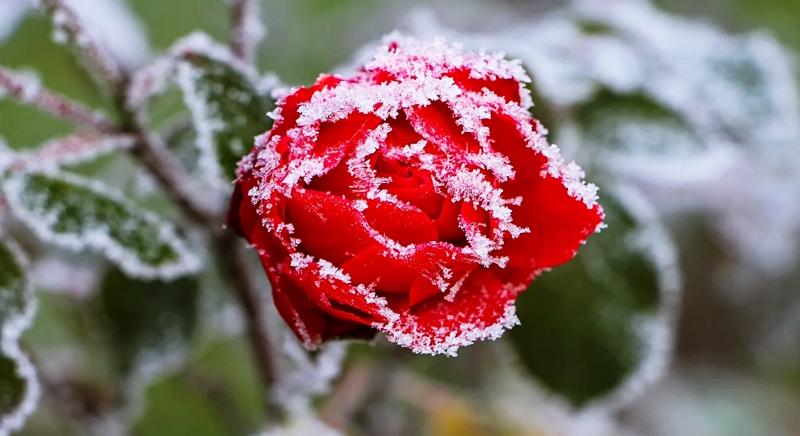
27	90
174	180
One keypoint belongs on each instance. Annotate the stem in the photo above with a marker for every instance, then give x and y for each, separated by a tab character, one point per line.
172	177
235	264
246	30
29	91
353	388
101	65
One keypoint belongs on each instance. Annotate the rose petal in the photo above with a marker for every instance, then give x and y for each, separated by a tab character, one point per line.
482	309
327	225
436	123
558	222
312	325
406	225
506	88
436	262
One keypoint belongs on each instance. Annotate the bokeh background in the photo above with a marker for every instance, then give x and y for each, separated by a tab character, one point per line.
733	217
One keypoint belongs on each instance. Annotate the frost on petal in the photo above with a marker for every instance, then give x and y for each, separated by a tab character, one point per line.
483	309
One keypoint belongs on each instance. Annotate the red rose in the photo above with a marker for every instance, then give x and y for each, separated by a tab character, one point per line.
417	198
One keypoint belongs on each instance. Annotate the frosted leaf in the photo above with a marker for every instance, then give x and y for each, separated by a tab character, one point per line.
80	214
598	330
760	223
742	84
633	135
150	322
18	382
303	375
226	98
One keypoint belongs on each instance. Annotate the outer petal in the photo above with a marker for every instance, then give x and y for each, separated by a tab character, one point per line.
558	222
482	309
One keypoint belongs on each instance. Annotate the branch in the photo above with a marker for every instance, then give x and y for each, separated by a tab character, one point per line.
70	150
69	28
351	391
29	91
172	177
246	29
235	264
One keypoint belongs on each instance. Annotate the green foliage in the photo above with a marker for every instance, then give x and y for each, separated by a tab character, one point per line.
636	124
216	393
580	334
148	319
12	285
77	214
12	386
16	386
227	109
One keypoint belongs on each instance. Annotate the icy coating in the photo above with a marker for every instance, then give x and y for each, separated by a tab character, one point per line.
417	198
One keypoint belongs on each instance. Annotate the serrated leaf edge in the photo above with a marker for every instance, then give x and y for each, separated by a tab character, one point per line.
187	262
12	329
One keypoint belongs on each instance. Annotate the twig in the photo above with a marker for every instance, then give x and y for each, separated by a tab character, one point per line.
235	263
353	388
246	29
29	91
96	56
171	176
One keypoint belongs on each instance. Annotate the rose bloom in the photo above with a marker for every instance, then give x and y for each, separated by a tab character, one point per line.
417	198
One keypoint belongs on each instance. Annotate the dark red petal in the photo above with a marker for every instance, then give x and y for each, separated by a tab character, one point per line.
436	123
447	223
506	88
406	225
303	317
558	222
422	194
327	225
395	274
481	309
372	266
421	290
335	297
310	324
291	104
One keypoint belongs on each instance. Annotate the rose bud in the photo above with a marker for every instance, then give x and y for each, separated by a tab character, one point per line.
416	197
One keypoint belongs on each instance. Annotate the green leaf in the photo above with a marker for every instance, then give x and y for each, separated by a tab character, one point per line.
217	393
590	325
19	388
77	213
148	320
632	135
227	109
636	125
